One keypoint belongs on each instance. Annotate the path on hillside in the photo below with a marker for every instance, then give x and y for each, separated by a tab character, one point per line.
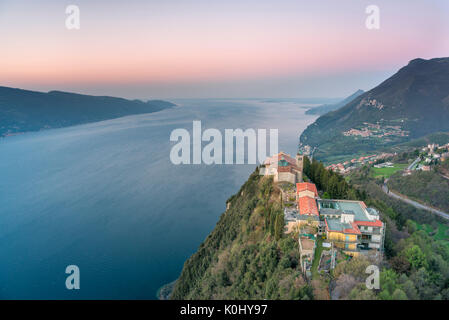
410	167
414	203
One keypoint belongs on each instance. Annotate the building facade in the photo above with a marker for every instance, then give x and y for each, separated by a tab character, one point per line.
283	168
350	225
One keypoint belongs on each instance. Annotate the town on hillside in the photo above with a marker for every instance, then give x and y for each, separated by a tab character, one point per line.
429	156
348	165
328	230
426	157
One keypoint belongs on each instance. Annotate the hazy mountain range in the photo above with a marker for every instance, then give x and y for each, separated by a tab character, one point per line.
24	110
325	108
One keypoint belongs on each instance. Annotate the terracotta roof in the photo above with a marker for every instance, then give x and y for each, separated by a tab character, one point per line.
285	156
353	230
303	186
353	227
307	205
281	159
376	223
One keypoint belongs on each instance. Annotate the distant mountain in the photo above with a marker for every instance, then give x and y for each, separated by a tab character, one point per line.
23	110
318	101
412	103
325	108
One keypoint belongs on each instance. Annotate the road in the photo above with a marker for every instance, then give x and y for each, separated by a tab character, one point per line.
414	203
410	167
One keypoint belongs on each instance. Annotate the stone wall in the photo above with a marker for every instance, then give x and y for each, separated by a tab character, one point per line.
285	176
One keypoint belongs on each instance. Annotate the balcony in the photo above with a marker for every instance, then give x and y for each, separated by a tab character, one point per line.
373	232
344	241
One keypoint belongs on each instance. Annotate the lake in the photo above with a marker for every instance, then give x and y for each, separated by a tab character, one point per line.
105	197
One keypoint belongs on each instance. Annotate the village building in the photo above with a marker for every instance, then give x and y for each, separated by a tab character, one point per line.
283	167
445	156
306	189
350	225
306	211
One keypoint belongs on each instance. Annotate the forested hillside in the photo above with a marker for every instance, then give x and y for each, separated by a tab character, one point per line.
416	245
429	187
246	255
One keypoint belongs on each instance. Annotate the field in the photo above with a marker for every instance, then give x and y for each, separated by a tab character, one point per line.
439	234
388	171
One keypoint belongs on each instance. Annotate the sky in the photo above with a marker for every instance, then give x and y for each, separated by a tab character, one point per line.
215	49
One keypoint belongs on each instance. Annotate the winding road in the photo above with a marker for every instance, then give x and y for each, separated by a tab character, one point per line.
412	165
414	203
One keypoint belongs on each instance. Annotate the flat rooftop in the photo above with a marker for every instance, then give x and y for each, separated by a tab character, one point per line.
291	214
337	207
307	244
336	225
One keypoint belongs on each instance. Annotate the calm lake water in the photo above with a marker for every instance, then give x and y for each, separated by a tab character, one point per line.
105	197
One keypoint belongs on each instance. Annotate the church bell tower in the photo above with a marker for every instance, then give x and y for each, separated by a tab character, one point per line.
300	165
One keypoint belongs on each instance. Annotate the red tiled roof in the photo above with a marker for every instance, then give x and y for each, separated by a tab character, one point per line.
281	156
354	230
307	205
285	169
303	186
376	223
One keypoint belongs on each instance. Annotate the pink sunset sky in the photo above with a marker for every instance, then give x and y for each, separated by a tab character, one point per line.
173	49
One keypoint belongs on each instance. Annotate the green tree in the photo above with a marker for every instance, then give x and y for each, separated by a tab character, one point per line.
388	284
333	187
272	221
324	177
398	294
416	257
326	195
279	226
400	264
361	292
410	290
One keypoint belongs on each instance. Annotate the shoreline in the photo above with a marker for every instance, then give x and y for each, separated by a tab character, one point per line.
165	291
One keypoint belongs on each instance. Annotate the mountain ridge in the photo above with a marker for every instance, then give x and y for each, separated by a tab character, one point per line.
408	105
26	110
325	108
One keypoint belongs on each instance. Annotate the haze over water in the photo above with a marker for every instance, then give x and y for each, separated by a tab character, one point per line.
105	197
